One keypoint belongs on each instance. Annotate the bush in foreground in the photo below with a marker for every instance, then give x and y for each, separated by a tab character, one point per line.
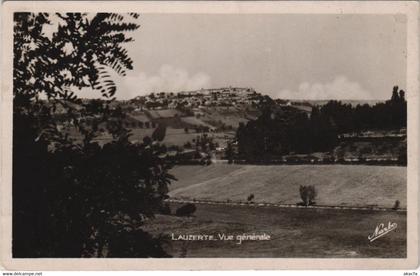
186	210
307	194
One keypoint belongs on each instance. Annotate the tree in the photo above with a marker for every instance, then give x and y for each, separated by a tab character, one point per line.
229	152
159	133
402	95
307	194
72	197
402	156
395	97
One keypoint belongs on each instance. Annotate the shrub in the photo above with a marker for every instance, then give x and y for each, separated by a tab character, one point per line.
165	209
186	210
396	205
307	194
250	197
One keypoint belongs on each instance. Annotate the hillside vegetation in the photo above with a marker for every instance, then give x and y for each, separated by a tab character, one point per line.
336	184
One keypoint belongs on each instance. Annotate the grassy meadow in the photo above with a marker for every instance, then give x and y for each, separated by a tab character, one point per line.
338	185
294	233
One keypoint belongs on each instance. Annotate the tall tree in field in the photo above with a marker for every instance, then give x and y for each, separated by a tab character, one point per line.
159	133
71	197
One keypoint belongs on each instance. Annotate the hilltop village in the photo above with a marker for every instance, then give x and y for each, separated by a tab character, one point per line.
213	125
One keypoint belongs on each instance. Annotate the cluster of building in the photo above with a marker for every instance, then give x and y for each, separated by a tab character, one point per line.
227	96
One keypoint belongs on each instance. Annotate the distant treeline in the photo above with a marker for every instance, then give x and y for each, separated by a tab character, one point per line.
281	130
391	114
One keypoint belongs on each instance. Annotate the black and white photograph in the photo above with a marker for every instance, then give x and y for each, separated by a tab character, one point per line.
229	134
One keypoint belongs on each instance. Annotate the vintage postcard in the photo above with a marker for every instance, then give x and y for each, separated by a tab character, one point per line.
209	135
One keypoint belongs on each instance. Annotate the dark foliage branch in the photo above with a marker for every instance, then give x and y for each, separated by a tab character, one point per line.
80	54
75	199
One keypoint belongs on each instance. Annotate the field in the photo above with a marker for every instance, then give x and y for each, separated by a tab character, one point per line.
173	136
338	185
293	232
191	120
163	113
178	137
230	116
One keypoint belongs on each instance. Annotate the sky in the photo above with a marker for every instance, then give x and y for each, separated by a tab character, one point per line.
359	57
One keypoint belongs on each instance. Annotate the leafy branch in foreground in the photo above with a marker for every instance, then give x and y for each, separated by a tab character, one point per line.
71	196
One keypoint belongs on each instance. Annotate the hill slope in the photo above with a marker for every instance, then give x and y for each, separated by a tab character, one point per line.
336	184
